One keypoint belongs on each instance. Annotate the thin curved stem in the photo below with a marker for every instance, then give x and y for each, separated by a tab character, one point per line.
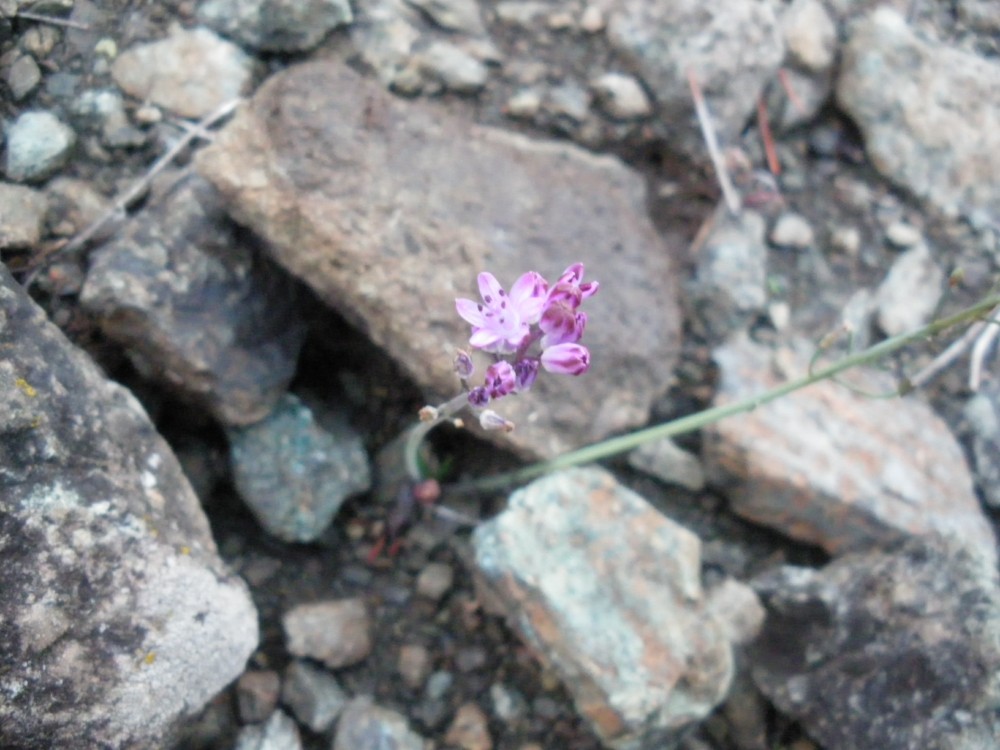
417	433
692	422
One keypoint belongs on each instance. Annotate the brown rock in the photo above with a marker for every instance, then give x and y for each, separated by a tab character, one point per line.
389	209
837	469
337	633
469	729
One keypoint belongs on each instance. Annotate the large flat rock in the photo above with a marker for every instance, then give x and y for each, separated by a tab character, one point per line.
117	617
388	209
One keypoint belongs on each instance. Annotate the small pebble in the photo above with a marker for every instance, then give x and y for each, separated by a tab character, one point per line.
470	658
337	633
414	665
901	234
524	104
438	684
847	240
257	695
592	19
435	580
313	694
792	230
469	729
38	145
508	704
279	733
621	96
22	76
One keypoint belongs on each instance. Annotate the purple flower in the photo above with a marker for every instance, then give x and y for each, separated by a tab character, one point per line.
464	366
566	359
479	397
500	379
569	290
525	370
501	322
561	324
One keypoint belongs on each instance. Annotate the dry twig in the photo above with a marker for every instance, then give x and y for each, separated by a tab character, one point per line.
708	133
54	21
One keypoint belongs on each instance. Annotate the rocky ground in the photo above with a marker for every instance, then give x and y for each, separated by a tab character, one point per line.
232	235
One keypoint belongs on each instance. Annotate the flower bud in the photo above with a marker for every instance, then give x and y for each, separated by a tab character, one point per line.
479	397
525	372
566	359
500	379
491	421
463	365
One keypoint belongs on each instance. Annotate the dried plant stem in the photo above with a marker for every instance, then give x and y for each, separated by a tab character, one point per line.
125	200
715	153
696	421
54	21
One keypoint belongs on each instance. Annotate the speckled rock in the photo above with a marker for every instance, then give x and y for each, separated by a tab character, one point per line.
275	25
734	49
191	72
337	633
22	214
929	113
361	201
834	468
295	472
607	591
117	617
909	294
896	650
277	733
728	289
198	309
365	726
38	145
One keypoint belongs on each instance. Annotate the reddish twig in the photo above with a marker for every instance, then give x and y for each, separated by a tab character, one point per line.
793	97
767	137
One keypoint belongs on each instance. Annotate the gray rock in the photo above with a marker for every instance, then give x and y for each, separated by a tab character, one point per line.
313	694
980	15
733	48
385	35
454	15
365	726
908	296
621	96
810	35
196	307
38	145
608	592
895	650
666	461
830	467
104	111
929	113
332	186
278	733
901	234
294	473
22	76
337	633
275	25
257	693
728	289
117	617
435	580
452	67
191	72
22	216
983	415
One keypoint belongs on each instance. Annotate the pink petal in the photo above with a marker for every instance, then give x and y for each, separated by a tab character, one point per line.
493	294
485	339
471	312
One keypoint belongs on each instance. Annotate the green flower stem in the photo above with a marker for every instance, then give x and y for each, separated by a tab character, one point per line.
416	434
698	420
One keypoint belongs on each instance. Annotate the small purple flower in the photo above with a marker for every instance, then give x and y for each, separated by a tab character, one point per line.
500	379
561	324
464	366
566	359
525	370
568	288
479	397
501	322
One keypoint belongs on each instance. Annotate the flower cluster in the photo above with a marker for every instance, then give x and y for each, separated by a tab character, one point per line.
509	325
